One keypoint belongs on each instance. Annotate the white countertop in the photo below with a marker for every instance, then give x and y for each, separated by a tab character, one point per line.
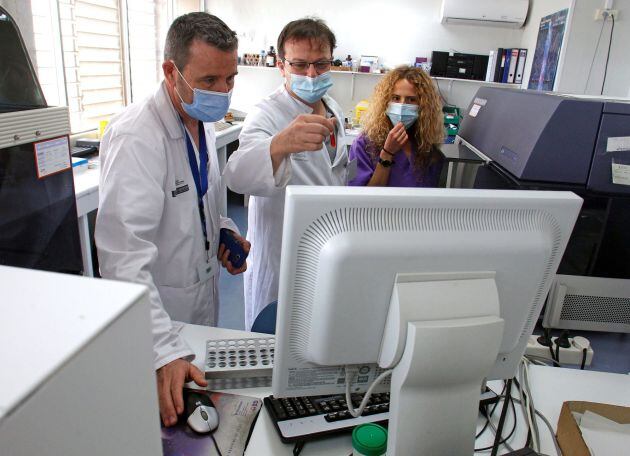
550	388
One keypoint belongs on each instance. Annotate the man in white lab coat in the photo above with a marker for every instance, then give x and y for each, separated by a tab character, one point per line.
295	136
158	221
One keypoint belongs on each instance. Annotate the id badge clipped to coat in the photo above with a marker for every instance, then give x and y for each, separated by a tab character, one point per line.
208	268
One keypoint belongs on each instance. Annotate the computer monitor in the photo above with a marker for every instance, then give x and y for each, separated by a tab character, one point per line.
443	286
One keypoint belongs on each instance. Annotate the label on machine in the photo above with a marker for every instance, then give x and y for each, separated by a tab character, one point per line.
52	156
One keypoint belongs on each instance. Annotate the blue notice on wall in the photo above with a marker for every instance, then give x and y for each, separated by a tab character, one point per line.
547	55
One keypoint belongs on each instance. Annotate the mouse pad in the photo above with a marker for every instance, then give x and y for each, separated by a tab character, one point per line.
237	415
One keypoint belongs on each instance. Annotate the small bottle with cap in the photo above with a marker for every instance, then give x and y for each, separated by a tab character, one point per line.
369	440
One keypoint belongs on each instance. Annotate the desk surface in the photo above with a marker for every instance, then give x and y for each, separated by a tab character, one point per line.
550	388
459	153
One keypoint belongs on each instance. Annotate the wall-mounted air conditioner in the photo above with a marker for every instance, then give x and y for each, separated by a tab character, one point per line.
499	13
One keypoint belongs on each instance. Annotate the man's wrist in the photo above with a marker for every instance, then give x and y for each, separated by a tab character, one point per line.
277	147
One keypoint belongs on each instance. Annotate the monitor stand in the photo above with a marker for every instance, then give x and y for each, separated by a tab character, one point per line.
442	337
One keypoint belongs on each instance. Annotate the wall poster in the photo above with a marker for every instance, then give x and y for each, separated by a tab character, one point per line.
547	54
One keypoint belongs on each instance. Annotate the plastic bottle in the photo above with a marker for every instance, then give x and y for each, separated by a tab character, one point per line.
271	57
369	440
261	62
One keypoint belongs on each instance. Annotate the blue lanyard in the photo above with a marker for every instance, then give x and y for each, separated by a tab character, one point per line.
200	176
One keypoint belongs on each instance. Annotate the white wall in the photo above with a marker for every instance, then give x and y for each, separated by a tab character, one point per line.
582	39
537	10
400	30
397	30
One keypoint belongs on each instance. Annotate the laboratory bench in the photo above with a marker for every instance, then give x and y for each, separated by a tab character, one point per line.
550	387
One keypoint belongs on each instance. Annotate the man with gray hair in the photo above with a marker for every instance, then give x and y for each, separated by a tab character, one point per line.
158	222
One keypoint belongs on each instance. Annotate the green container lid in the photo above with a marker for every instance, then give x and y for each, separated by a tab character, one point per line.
369	439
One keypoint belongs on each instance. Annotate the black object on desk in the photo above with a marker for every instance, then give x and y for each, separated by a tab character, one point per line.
78	151
310	417
85	147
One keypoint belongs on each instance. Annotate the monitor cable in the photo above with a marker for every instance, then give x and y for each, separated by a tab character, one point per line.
350	373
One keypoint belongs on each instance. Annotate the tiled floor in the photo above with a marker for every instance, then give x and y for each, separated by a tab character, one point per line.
612	351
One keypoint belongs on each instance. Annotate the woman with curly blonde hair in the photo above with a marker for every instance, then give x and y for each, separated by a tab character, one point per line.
402	130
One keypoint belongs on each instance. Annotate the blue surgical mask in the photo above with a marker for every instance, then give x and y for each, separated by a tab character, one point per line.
311	89
206	105
405	113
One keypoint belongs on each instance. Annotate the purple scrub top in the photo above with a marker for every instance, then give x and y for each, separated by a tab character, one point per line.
402	173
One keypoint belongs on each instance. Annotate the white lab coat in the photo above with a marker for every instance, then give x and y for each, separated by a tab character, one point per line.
145	232
249	171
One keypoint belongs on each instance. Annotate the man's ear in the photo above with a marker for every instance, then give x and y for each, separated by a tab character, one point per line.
281	66
169	70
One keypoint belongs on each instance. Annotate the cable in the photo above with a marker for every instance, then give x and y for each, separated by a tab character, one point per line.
530	401
525	401
216	447
584	352
503	441
612	30
299	446
446	103
549	427
538	360
556	362
595	53
485	426
498	433
357	412
553	435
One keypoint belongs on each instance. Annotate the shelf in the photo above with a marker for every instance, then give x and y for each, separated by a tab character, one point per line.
474	81
437	78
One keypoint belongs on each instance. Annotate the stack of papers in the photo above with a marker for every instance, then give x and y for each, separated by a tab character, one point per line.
602	435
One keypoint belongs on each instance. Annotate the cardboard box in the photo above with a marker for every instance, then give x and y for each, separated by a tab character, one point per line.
568	433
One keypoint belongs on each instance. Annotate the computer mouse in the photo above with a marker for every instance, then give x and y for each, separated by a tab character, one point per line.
202	416
203	419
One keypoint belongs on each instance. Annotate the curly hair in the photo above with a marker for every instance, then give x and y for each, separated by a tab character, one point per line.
429	128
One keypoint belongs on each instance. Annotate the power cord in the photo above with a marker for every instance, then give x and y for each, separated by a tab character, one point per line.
542	361
590	70
350	372
612	30
503	440
549	427
580	342
446	103
526	405
488	416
